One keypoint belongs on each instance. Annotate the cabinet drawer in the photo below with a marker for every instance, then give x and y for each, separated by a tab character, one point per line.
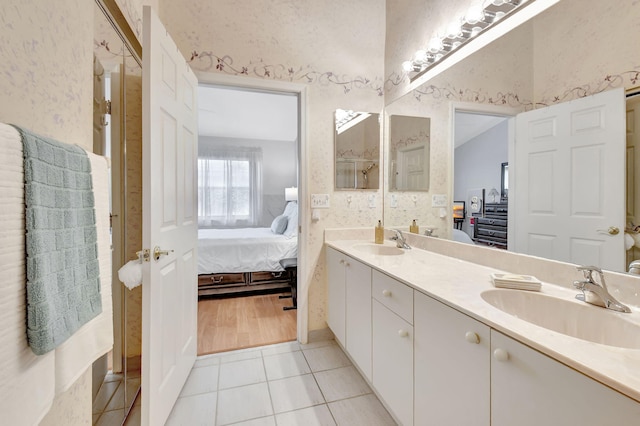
220	279
256	277
491	221
499	233
394	295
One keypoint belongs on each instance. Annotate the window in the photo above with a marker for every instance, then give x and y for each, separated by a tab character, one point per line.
230	187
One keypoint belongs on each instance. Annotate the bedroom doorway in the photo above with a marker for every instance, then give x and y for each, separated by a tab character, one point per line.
248	166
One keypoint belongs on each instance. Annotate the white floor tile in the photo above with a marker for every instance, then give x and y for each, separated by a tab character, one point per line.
243	403
263	421
105	393
318	415
111	418
201	380
241	373
341	383
362	410
240	355
294	393
326	358
286	365
205	360
319	344
281	348
194	410
135	416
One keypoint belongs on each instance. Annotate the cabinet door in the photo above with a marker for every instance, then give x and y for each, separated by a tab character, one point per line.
336	294
358	313
393	361
452	359
529	388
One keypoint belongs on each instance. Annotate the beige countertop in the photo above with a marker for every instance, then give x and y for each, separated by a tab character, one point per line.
459	284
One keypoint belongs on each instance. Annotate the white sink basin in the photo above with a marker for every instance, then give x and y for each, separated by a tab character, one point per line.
378	249
571	317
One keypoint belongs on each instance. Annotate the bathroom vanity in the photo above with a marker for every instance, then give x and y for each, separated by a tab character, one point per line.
435	340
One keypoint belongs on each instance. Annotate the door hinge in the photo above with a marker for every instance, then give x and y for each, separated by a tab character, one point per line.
106	106
144	255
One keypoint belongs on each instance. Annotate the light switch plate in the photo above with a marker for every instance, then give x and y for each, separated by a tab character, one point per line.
439	200
319	201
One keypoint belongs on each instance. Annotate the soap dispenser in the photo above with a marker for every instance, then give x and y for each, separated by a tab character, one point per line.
379	233
413	228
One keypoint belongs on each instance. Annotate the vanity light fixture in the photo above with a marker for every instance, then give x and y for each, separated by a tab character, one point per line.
477	19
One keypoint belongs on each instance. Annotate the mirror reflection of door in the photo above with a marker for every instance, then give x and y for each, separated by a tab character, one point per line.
409	153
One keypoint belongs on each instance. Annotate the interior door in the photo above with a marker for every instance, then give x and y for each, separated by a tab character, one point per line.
569	183
633	159
169	286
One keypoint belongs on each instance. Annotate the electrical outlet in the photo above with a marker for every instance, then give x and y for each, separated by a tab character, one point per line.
394	201
319	201
372	201
439	200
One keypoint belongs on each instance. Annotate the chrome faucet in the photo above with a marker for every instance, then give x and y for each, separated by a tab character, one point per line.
400	240
595	291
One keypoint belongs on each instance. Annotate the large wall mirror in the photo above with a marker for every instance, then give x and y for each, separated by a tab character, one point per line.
409	153
357	150
567	52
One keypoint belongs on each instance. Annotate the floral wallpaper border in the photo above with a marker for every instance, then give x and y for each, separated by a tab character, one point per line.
610	81
209	61
350	154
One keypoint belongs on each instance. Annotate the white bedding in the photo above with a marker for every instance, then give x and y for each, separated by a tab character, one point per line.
243	250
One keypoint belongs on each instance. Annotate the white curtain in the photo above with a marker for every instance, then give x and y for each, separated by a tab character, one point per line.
229	186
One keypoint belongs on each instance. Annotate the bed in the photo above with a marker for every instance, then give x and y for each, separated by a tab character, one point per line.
233	261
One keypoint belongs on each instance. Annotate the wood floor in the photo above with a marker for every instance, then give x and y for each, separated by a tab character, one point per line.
244	322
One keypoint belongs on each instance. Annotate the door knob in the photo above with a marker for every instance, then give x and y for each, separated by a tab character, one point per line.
612	230
157	252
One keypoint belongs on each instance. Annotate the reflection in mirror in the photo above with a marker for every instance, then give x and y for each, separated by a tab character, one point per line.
118	136
541	63
409	153
357	150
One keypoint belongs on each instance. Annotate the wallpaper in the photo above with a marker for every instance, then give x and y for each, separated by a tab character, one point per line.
46	86
335	48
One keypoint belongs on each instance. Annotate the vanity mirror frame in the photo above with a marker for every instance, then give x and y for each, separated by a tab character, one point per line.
357	159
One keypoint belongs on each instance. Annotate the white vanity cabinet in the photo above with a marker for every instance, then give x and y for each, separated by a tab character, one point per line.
349	306
452	359
531	389
393	345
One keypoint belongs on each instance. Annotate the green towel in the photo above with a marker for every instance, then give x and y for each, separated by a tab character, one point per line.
63	284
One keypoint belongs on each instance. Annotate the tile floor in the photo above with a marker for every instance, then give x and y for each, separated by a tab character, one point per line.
284	384
109	404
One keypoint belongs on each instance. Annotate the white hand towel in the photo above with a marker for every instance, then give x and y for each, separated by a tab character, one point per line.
131	274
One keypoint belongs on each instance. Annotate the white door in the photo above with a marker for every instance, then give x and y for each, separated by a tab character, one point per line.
633	178
569	183
169	286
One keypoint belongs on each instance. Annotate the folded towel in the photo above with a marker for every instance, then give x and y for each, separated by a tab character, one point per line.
63	286
95	338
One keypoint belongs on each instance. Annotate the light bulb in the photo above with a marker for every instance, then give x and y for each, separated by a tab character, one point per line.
407	66
474	15
420	56
454	29
435	45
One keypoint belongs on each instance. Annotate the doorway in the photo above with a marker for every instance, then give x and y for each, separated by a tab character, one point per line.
480	154
248	166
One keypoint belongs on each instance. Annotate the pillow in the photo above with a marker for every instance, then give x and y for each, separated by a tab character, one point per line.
292	225
279	224
290	208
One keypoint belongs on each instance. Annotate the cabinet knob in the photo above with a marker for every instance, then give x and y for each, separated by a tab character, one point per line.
347	264
472	337
403	333
386	293
501	355
341	261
